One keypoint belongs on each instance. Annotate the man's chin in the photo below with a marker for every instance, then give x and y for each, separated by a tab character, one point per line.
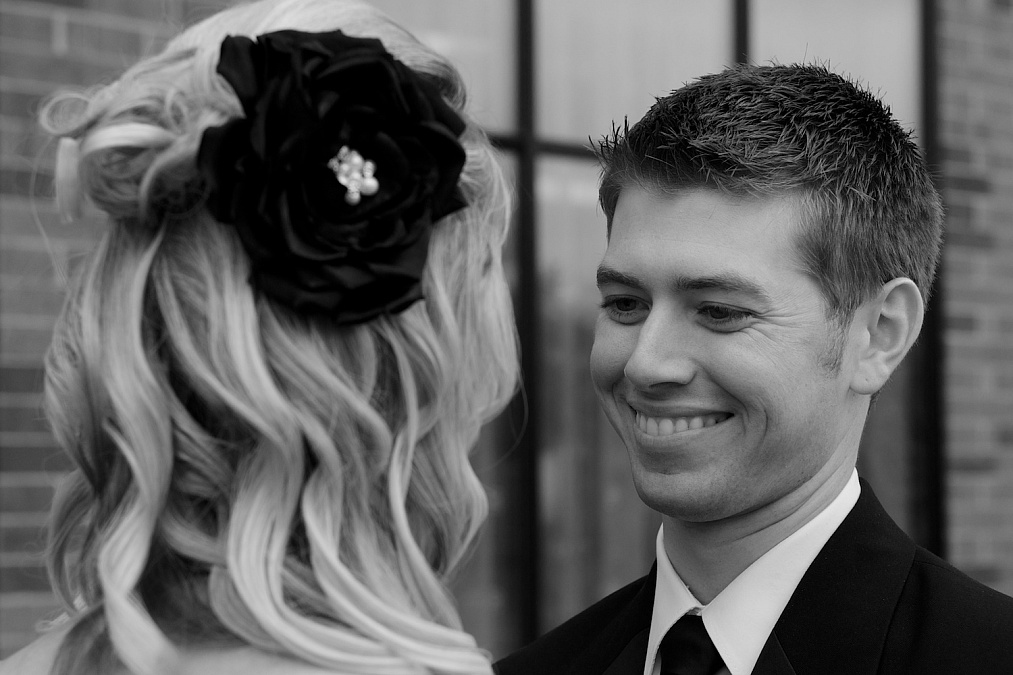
681	496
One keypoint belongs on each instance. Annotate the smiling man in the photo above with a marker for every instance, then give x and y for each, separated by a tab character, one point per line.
772	237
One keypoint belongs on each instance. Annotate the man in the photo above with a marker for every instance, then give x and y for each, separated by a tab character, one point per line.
772	237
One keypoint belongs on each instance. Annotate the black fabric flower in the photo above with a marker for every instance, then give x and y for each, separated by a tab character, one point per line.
273	174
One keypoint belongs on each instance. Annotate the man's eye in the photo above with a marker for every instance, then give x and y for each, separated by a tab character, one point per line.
624	309
725	317
625	304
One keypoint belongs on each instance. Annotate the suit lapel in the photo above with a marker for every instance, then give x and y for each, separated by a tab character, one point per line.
838	617
631	659
621	647
773	660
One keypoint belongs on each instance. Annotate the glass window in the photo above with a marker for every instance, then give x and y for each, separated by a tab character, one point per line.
599	60
874	41
479	37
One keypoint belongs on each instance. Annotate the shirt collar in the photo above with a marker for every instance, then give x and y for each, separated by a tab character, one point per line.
740	618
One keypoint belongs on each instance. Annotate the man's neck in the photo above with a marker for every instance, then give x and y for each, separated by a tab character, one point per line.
708	556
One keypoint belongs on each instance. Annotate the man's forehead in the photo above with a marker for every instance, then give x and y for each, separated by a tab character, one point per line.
702	239
705	216
789	202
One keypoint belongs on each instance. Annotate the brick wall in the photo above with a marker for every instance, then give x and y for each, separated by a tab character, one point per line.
45	46
976	134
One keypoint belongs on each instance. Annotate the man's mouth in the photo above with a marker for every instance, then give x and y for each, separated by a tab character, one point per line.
666	426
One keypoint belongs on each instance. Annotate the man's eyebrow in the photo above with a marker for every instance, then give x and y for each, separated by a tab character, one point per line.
608	275
726	281
729	282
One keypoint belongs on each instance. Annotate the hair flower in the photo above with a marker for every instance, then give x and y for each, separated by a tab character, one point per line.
334	177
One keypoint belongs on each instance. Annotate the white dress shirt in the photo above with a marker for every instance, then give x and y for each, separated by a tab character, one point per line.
740	618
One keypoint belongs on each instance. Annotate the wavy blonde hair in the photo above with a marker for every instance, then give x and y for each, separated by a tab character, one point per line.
245	474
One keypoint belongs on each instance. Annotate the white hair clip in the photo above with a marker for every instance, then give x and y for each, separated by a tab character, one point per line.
69	200
355	173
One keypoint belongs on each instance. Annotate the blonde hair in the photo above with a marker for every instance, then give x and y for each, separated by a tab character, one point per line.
243	473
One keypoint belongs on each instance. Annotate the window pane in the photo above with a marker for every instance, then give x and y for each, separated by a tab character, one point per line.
599	60
478	36
874	41
595	535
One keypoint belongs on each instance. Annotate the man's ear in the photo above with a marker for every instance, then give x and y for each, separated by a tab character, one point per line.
888	324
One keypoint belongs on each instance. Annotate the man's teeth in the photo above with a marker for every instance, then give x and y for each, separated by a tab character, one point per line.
665	426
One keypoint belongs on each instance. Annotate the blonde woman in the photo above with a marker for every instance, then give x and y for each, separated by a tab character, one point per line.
270	372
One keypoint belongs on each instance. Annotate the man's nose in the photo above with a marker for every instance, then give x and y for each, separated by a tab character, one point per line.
663	353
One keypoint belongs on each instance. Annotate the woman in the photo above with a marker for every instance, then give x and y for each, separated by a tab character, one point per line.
270	372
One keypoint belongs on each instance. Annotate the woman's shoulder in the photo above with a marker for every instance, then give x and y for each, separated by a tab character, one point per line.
244	661
37	657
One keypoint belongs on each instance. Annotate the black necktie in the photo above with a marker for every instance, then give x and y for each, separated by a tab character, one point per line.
688	650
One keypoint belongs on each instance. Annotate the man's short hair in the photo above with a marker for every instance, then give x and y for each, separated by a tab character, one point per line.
869	210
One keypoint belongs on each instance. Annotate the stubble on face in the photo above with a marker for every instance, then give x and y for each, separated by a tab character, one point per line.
779	371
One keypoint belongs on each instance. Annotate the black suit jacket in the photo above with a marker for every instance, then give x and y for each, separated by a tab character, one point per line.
871	602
